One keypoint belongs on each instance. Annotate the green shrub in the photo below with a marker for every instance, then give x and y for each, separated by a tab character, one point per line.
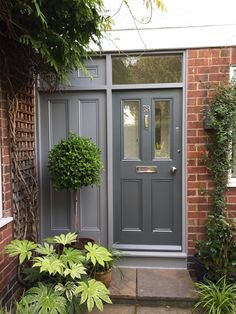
219	298
218	251
75	162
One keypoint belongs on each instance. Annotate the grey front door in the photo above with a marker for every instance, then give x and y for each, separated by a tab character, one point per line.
147	169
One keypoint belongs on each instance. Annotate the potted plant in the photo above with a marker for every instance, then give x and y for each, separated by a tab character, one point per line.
60	280
101	261
74	163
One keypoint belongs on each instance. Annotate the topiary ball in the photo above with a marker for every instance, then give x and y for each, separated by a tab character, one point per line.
75	162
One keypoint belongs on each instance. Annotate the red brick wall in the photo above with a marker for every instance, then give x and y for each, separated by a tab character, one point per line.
206	69
8	283
8	266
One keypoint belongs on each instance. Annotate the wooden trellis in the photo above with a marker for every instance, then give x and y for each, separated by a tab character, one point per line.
23	159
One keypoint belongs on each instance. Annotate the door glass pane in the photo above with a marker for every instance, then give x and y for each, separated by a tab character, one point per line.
131	114
147	69
162	129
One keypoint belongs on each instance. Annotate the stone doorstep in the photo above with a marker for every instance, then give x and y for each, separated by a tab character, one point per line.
152	287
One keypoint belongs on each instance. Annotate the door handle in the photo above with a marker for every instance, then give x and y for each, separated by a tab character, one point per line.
173	170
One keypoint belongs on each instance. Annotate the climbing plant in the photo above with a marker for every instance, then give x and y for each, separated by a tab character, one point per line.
53	36
221	140
218	250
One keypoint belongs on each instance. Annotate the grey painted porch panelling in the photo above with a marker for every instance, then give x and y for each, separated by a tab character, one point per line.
85	114
103	86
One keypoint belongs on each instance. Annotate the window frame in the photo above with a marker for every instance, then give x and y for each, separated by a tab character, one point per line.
231	180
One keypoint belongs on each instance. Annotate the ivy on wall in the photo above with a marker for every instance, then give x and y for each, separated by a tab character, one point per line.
219	160
218	250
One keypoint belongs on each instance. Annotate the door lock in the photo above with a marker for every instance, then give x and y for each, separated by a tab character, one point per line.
173	170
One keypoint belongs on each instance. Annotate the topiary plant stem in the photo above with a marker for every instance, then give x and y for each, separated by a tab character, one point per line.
75	210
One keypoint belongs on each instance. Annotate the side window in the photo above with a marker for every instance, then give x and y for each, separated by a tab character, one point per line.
232	177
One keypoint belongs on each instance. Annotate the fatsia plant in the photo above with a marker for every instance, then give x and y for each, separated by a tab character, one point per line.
60	277
93	292
98	255
65	239
21	248
43	299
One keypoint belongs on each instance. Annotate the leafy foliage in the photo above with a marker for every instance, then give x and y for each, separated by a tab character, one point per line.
23	248
218	250
159	4
69	289
60	276
219	298
74	163
97	254
93	292
4	310
55	35
50	264
65	239
71	255
219	159
45	249
75	270
44	299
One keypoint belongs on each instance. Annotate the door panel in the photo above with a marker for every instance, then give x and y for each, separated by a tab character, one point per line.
84	114
131	205
162	214
147	190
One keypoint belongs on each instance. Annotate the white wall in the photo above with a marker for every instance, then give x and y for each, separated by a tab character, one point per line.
185	24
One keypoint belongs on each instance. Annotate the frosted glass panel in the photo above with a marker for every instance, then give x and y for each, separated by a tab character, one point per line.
162	129
131	114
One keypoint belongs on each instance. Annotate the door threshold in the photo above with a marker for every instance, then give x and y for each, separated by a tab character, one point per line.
143	260
144	247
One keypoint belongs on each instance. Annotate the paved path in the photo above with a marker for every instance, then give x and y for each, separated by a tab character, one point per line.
137	309
150	291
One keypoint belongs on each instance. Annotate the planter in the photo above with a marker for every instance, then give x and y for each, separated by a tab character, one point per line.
83	241
105	277
79	244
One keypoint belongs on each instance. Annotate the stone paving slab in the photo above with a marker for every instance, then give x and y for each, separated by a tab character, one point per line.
136	309
123	284
165	284
116	309
162	310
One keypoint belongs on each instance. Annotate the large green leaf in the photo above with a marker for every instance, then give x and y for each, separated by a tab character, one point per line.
23	248
44	300
93	293
65	239
50	264
71	255
97	254
75	270
69	289
45	249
